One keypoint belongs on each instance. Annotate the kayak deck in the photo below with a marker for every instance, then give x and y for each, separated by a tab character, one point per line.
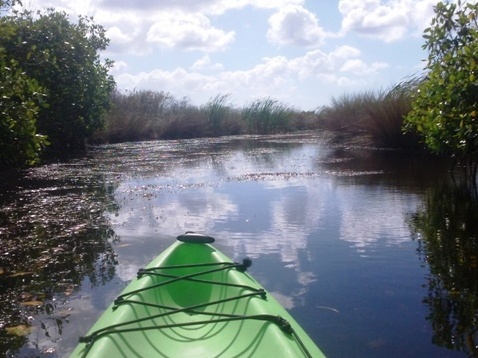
193	301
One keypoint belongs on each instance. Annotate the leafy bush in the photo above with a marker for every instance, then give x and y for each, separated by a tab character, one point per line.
445	105
21	96
63	58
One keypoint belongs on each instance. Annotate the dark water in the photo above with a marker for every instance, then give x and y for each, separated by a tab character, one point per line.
373	251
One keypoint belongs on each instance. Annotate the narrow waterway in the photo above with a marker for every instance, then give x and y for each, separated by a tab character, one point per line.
374	252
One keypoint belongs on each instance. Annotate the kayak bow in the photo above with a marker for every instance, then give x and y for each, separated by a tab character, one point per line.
193	301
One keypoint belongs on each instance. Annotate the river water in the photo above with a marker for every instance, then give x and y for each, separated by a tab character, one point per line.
373	251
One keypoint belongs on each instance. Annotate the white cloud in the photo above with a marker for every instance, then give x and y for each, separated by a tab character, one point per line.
344	59
278	75
189	32
344	52
115	35
255	48
261	80
127	35
122	41
357	66
178	81
134	26
131	33
294	25
214	7
205	63
148	5
373	19
311	64
119	67
421	14
267	4
385	20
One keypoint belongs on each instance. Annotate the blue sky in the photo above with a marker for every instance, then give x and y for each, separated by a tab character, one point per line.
300	52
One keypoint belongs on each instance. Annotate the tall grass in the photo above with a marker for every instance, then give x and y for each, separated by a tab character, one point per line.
265	116
384	121
376	115
181	119
134	116
223	118
146	115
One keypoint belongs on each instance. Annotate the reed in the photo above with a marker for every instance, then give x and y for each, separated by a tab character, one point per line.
181	119
223	118
384	118
376	115
264	116
135	115
146	115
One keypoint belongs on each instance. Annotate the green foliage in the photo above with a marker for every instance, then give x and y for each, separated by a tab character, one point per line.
20	102
445	106
223	118
264	116
217	111
63	58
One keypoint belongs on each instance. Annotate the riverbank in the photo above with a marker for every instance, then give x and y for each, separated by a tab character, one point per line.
364	119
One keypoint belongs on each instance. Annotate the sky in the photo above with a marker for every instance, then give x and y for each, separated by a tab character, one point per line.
302	53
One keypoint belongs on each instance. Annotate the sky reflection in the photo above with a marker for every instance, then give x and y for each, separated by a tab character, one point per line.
272	197
326	228
262	202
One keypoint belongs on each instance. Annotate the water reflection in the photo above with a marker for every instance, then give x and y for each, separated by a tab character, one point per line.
369	216
326	229
53	235
446	229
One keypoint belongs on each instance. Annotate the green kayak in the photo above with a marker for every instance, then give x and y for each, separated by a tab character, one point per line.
193	301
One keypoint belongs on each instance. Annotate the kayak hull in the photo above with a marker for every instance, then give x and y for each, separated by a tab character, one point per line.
193	301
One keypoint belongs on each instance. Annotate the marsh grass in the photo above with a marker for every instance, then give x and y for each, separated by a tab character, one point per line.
147	115
370	117
265	116
384	118
376	115
223	118
134	116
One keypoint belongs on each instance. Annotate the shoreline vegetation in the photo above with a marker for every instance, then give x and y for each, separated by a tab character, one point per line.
371	118
44	118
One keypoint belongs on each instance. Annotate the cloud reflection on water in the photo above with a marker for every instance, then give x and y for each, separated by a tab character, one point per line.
199	198
371	215
260	202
